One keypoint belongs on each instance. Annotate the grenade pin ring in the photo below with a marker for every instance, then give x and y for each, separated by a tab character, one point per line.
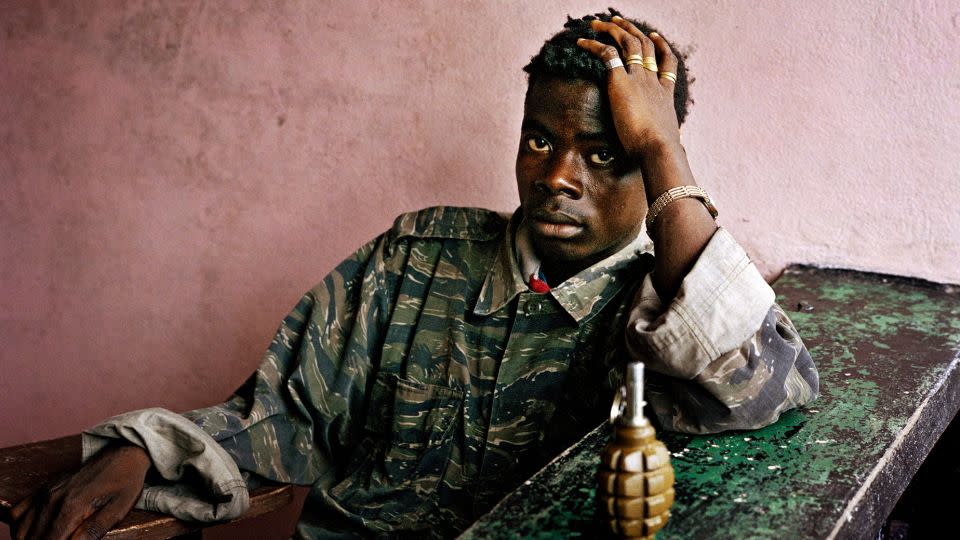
619	404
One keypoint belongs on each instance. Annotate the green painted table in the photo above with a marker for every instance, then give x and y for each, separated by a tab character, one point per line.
887	351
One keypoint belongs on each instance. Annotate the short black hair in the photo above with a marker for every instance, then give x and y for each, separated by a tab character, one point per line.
560	57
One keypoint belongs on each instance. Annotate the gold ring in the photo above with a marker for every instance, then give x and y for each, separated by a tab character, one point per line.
635	59
650	63
669	75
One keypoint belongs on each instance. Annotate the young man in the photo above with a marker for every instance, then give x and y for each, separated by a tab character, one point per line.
445	361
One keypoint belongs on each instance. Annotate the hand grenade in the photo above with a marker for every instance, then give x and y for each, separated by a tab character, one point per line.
636	478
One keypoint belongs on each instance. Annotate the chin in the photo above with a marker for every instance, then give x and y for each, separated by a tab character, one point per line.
559	251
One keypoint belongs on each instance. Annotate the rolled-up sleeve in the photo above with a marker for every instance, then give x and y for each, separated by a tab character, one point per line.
178	450
293	421
721	355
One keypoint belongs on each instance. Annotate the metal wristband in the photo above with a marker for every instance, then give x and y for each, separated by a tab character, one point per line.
677	193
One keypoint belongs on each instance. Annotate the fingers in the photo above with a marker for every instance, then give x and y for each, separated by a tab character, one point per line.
73	514
646	46
600	50
603	52
632	42
87	503
99	524
51	516
23	517
21	508
35	513
45	516
627	42
633	45
666	60
21	529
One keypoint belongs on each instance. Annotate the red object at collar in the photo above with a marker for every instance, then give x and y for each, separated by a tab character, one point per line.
538	285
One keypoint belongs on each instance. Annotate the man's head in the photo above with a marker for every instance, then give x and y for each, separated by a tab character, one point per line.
581	199
560	57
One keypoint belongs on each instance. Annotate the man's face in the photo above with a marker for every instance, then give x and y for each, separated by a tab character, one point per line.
581	200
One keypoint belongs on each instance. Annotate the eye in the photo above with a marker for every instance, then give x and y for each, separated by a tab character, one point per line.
538	144
603	157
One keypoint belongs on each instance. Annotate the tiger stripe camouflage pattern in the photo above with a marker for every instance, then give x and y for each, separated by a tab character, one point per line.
422	380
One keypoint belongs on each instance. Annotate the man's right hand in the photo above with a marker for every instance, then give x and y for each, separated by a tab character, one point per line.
88	503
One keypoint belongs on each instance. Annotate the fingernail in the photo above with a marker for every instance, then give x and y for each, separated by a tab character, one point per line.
579	40
616	18
652	34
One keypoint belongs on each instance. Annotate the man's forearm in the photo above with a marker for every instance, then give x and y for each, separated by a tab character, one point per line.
684	227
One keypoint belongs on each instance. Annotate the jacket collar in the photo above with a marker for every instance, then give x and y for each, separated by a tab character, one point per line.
581	295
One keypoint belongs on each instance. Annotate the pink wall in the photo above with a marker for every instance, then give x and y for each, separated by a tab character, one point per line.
173	175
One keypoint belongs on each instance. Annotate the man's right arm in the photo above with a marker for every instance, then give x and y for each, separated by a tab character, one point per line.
293	421
88	503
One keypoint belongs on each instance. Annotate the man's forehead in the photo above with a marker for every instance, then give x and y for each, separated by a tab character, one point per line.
567	100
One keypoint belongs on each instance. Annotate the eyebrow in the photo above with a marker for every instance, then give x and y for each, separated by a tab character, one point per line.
593	136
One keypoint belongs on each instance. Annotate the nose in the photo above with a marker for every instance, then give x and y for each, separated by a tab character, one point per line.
563	176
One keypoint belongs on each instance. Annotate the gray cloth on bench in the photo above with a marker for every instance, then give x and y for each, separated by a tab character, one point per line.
209	486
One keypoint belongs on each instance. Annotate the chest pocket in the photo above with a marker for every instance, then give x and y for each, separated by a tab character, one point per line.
416	421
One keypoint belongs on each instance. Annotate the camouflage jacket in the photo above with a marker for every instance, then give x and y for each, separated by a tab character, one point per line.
422	380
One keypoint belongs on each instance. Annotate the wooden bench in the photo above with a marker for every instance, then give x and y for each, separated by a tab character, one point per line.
23	468
887	352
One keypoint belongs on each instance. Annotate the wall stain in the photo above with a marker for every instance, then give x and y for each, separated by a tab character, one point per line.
149	33
23	20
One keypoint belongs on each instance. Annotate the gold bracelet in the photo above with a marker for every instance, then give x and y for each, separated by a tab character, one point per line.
674	194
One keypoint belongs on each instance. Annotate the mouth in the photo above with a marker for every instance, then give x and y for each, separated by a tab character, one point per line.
557	225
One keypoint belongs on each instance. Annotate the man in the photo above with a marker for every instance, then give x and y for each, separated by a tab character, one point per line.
445	361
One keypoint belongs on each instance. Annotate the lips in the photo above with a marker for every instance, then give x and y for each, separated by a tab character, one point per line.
554	224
